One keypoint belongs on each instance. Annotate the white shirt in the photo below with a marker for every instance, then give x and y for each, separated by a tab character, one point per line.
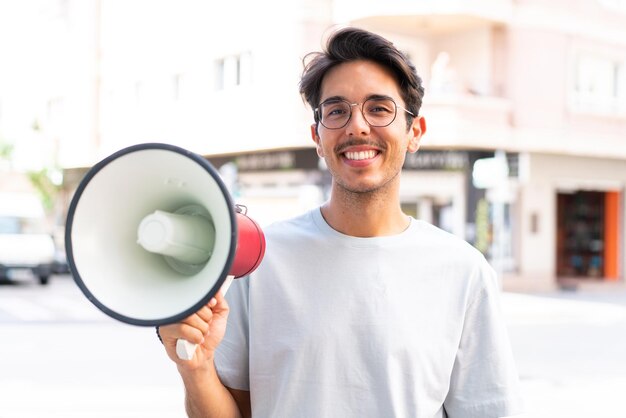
398	326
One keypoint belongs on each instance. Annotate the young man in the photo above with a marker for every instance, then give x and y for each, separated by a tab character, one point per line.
357	309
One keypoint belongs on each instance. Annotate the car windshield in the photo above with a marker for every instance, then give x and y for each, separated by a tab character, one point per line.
19	225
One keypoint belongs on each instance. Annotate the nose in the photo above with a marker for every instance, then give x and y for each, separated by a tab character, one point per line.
357	125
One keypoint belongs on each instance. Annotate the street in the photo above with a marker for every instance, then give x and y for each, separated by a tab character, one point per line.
61	357
569	347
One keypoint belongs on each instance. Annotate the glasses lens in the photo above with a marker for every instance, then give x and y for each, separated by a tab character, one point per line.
334	114
379	112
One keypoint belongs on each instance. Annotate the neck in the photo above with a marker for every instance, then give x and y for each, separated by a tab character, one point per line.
364	215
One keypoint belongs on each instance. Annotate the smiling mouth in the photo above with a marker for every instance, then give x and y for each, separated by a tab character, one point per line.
360	155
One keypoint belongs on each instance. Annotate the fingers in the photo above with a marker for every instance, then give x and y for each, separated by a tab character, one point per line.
197	326
205	328
205	314
218	304
182	330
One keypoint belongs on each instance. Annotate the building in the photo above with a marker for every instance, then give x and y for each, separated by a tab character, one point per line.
546	85
525	104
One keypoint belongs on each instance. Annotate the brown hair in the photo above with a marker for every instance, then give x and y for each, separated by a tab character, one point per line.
351	44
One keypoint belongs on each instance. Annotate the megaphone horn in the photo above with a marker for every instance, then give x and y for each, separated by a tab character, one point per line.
152	235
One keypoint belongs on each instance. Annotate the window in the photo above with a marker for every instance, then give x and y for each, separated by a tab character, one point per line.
139	92
176	86
599	84
233	70
614	4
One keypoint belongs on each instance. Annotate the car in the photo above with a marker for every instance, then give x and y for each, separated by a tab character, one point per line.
26	246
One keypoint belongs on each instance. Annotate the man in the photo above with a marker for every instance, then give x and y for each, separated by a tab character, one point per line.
357	310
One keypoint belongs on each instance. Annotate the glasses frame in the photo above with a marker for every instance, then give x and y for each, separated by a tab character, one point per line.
318	117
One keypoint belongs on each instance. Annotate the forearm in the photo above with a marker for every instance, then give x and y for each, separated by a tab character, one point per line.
206	396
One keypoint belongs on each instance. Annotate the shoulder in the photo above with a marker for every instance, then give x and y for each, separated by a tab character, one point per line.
292	228
455	258
445	243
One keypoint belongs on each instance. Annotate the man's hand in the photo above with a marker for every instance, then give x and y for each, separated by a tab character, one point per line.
205	328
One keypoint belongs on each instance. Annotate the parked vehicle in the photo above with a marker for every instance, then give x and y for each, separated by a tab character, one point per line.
26	246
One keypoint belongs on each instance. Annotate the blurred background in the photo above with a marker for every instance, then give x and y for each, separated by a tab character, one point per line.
525	158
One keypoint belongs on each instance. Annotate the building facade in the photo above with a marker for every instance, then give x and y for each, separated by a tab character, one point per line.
525	103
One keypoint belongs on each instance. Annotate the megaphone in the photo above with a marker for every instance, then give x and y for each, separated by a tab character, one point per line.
152	235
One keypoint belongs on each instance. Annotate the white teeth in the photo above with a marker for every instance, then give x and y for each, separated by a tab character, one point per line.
360	155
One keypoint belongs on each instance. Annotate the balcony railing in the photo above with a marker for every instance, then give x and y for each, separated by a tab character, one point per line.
419	16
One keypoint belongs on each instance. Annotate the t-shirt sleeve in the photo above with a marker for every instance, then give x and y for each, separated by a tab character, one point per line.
484	381
231	357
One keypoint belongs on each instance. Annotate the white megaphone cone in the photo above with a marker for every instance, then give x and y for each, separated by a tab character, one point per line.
152	236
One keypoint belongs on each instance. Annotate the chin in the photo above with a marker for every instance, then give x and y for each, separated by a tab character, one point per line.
367	185
361	188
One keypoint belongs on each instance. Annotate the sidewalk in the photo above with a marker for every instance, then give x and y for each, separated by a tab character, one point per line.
568	344
515	283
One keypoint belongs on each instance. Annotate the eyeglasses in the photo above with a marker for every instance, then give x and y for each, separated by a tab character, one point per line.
377	112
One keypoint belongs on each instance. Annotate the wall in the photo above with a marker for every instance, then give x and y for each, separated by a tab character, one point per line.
547	175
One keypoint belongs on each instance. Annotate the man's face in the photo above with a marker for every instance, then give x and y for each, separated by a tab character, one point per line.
362	158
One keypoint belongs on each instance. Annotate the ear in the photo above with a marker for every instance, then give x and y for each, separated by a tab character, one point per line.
317	140
418	128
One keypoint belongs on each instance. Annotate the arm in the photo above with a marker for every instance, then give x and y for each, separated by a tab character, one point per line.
205	395
484	381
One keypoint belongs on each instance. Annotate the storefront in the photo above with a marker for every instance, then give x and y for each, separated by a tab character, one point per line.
587	234
571	219
436	186
276	184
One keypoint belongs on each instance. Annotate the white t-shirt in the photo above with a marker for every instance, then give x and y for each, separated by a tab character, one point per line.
398	326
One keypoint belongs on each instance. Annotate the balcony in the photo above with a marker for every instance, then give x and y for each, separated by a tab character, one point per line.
465	121
418	18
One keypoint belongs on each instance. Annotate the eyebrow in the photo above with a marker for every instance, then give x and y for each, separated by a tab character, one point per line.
371	96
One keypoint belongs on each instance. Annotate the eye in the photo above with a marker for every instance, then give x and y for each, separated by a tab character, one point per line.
334	109
379	107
